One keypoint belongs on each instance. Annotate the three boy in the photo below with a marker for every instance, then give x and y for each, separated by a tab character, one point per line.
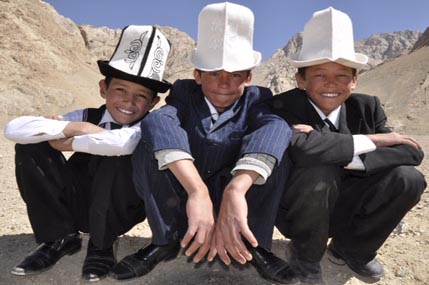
211	163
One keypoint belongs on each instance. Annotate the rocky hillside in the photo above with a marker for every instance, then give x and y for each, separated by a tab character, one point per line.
403	86
49	63
423	41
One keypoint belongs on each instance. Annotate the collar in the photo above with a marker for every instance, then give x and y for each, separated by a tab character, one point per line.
334	116
107	118
214	113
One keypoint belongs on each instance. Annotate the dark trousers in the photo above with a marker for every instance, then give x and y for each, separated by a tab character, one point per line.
165	199
87	193
358	212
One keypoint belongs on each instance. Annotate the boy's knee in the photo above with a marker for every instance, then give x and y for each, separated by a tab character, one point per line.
315	179
409	181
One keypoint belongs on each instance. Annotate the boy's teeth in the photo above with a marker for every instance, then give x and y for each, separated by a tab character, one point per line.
125	111
330	94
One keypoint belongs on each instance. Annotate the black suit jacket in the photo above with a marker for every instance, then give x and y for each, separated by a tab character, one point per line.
360	114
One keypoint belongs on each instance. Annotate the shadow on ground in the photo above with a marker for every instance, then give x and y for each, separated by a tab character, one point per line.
13	248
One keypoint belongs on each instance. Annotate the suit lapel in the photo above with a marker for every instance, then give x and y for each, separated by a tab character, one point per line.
202	110
314	119
343	120
226	116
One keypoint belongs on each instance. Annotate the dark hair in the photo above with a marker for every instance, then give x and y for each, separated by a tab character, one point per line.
301	71
108	80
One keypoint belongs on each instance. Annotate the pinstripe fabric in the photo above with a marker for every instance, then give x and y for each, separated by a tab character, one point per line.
184	123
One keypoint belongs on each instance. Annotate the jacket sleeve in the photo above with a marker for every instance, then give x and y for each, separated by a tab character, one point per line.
319	148
387	157
267	133
161	129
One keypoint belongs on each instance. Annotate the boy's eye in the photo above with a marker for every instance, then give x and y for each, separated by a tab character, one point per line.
142	96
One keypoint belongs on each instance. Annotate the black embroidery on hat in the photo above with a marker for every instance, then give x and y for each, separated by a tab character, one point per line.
157	62
134	50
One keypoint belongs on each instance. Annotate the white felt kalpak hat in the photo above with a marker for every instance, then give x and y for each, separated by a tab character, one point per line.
225	39
328	37
140	56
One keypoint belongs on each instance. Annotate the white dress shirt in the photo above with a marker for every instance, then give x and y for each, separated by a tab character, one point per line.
33	129
361	143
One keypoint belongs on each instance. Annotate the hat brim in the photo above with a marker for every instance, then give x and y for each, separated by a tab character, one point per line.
358	63
155	85
196	60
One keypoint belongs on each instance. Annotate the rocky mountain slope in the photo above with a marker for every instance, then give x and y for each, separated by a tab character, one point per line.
49	63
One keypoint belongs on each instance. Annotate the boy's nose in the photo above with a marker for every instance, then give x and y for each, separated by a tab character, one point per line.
329	80
224	79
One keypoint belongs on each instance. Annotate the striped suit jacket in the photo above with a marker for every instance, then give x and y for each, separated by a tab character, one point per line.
185	123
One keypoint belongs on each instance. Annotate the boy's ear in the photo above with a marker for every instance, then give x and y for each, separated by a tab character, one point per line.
197	76
354	82
300	81
154	102
249	78
103	88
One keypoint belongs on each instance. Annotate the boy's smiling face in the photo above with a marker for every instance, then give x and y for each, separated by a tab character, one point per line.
127	101
327	85
222	88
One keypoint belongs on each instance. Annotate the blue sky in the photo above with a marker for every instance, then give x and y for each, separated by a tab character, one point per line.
276	21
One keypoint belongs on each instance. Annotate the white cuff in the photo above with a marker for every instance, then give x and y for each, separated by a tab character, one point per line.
261	163
166	156
362	144
355	164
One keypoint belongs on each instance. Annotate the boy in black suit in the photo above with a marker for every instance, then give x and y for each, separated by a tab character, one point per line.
93	190
353	178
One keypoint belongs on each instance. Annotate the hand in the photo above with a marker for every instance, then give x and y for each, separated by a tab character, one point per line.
231	225
390	139
303	128
199	209
73	129
62	144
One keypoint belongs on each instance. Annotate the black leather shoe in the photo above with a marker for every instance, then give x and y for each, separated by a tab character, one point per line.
47	255
271	267
308	272
98	262
372	269
144	260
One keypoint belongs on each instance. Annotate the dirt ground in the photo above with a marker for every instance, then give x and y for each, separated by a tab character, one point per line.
405	255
